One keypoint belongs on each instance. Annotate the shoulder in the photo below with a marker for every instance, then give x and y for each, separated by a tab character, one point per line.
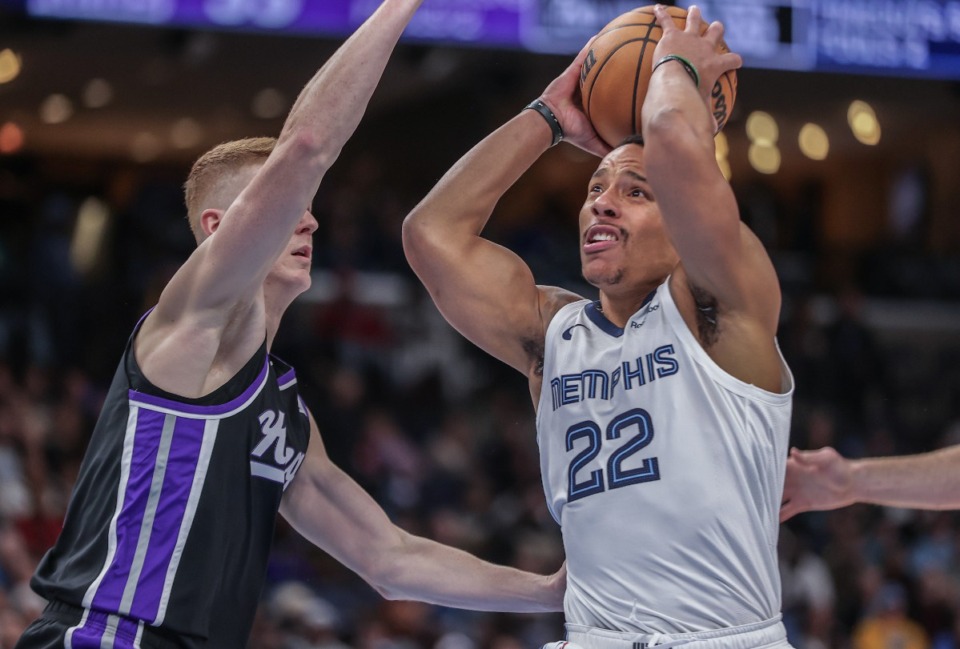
552	299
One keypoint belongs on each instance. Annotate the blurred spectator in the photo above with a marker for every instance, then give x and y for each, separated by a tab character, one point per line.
886	625
808	594
304	620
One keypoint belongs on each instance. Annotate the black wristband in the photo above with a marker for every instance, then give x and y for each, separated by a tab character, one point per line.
548	115
687	66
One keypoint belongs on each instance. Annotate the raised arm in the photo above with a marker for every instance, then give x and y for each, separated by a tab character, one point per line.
723	265
484	290
251	215
333	512
259	223
824	479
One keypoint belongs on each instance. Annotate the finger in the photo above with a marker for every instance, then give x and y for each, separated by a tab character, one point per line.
598	147
731	61
715	32
802	458
664	19
815	460
787	511
694	19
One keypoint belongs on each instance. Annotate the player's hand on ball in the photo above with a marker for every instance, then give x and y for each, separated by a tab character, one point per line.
704	49
563	98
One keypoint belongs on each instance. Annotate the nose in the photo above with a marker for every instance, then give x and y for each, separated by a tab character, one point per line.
308	223
605	205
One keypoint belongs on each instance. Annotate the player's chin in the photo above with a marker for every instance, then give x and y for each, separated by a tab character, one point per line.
601	275
297	280
304	281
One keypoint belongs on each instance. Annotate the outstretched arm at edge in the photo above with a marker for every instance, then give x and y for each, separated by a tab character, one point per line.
333	512
823	479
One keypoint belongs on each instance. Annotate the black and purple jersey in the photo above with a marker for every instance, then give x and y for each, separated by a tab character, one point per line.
171	520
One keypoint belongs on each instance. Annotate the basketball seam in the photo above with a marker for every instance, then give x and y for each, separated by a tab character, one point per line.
733	95
636	79
600	67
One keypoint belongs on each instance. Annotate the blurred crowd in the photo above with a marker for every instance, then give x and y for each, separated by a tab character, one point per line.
441	435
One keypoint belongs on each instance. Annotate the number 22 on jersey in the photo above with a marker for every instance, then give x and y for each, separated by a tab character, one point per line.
585	482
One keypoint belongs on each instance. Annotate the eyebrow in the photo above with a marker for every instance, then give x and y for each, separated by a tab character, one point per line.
600	173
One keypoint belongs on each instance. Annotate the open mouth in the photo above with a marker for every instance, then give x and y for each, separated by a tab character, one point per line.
600	237
303	251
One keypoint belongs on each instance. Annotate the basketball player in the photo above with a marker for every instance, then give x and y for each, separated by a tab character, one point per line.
203	436
663	407
824	479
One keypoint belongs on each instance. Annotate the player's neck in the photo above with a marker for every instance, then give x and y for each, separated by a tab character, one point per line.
619	308
275	305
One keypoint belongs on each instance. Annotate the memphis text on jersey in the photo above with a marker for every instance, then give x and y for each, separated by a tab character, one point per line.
604	384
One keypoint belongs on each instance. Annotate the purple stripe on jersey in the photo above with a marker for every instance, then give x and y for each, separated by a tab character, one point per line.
89	634
288	378
146	441
189	409
126	635
174	496
143	317
93	632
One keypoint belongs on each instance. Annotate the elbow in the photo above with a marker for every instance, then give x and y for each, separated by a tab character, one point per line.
388	592
415	237
309	148
665	126
384	575
671	139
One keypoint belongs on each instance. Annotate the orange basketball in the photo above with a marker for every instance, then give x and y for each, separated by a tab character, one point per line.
617	70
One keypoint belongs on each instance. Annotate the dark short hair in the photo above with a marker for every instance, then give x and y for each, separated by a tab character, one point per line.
636	138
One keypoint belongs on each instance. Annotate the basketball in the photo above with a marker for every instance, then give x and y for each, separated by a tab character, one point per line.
616	72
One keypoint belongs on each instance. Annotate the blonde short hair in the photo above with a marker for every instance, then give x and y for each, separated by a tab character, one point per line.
209	169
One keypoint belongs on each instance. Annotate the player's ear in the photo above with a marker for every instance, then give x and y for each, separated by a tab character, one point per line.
210	220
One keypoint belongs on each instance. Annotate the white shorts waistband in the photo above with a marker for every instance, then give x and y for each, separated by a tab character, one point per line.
769	633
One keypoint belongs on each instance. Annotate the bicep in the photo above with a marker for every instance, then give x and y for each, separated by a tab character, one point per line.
485	291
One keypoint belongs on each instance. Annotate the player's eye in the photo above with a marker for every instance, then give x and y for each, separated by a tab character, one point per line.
636	192
596	189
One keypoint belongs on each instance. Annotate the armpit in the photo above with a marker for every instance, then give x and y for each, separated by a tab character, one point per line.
535	351
708	319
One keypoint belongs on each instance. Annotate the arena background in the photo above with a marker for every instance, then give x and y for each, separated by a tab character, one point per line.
100	120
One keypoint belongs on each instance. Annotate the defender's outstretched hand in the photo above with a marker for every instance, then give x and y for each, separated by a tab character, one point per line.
816	480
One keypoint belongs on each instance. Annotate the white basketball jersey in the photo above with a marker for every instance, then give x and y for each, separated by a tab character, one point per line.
664	472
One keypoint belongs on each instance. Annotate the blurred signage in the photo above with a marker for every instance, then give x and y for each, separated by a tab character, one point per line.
898	37
902	37
493	22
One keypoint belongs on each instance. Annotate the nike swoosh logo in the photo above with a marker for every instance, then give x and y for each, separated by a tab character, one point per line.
568	332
